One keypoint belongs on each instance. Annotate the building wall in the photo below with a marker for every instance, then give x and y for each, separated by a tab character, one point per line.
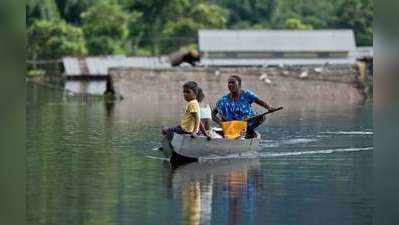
311	85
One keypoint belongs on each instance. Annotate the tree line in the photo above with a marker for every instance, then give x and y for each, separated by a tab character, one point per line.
56	28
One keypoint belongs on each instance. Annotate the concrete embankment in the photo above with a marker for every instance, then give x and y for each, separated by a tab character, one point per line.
310	85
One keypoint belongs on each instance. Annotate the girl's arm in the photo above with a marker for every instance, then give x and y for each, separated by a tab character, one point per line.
203	130
197	123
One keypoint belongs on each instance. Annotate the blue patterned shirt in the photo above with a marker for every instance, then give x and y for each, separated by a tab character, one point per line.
236	109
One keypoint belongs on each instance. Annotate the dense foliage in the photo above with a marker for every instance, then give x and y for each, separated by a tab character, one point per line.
106	28
146	27
54	39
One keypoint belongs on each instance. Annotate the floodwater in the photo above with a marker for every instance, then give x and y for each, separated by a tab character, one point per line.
94	162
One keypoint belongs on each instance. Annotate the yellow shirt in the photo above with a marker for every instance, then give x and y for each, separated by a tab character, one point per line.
188	120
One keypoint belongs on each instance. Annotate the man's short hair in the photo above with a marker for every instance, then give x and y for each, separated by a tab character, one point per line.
237	78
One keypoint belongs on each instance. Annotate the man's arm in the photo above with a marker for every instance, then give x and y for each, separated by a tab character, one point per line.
264	104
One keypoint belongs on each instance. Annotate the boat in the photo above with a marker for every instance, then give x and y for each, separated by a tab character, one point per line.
184	149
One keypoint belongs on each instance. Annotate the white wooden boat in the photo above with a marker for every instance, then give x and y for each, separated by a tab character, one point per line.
184	148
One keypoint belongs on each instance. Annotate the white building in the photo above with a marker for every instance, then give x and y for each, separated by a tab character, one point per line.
99	66
276	47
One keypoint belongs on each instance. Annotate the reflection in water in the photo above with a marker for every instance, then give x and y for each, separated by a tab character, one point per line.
239	195
96	87
192	207
197	202
235	178
109	109
87	163
237	186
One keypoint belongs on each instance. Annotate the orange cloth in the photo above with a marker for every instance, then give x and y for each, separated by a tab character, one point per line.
233	129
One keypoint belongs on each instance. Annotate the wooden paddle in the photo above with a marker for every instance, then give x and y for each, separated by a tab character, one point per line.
263	114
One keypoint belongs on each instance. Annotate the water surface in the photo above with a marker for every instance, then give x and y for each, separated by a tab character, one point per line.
93	162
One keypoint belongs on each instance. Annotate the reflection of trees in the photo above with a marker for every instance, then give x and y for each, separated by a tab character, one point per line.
78	174
70	177
65	181
83	167
75	172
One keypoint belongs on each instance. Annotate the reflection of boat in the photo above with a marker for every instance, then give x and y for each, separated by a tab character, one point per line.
195	184
196	171
183	148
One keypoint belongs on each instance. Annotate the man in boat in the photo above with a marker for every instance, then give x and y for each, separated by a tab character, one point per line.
237	105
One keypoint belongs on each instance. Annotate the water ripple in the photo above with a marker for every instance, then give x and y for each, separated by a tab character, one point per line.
252	155
349	132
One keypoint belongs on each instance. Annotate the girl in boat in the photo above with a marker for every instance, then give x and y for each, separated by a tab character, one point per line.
190	123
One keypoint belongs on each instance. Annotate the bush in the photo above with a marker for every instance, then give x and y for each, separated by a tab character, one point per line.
54	40
105	26
35	73
183	32
296	24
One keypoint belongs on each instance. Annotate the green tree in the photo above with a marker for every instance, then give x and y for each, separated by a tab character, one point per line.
41	10
53	40
209	15
317	13
296	24
183	31
178	34
105	26
356	15
146	31
136	27
161	26
250	11
70	10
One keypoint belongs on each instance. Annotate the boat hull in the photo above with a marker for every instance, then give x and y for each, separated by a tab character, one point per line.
185	148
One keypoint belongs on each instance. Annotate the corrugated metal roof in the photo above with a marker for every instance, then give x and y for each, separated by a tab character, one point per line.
100	65
71	66
362	52
276	40
273	62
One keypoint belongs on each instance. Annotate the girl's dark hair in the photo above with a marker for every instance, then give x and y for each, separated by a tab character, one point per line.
237	78
197	90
